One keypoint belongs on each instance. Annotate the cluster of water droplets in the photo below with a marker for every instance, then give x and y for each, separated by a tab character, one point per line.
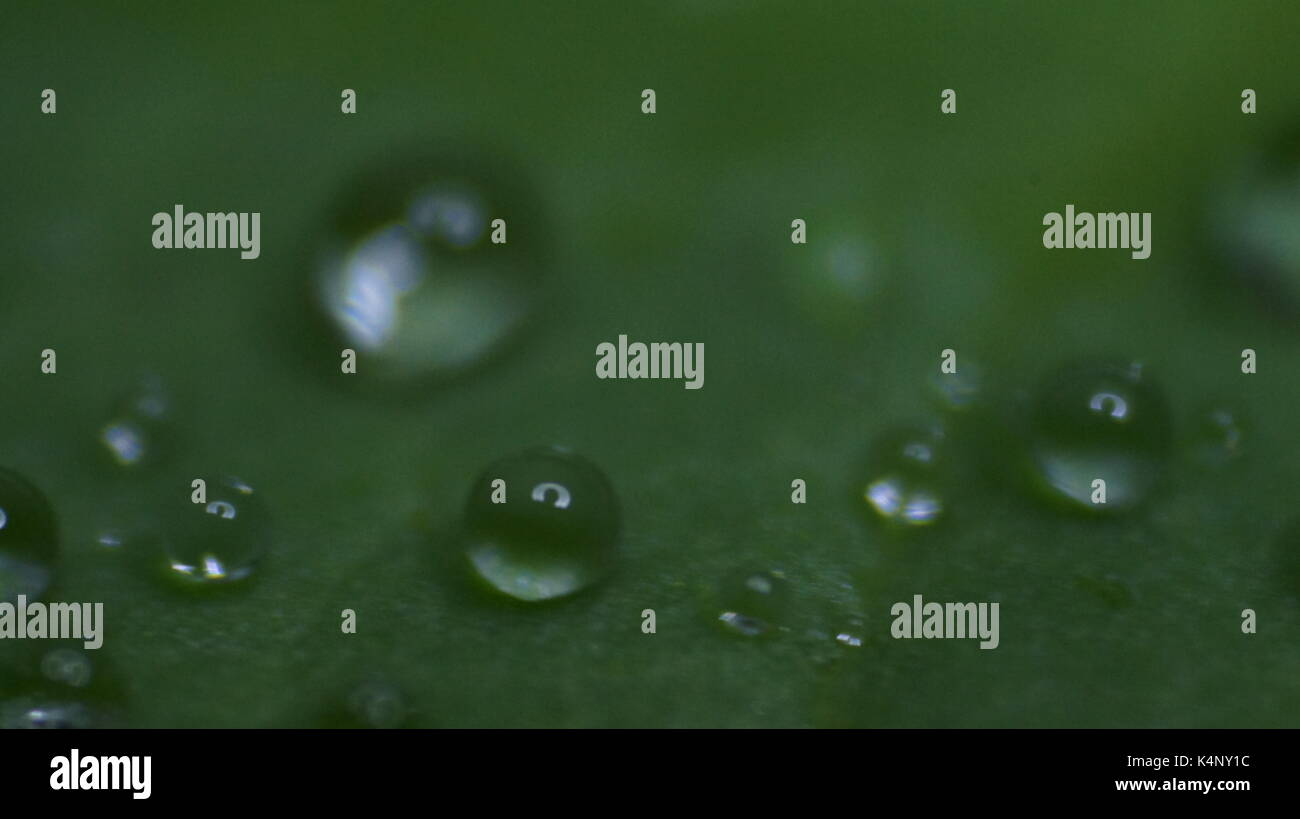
411	278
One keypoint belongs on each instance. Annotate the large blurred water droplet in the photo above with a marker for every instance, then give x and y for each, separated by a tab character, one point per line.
1255	217
1099	421
220	541
138	430
554	535
410	277
904	476
753	602
28	539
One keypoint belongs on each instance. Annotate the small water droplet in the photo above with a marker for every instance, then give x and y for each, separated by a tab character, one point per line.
753	602
958	391
411	279
904	484
67	667
1103	421
1219	436
39	712
220	541
555	534
377	705
28	539
138	430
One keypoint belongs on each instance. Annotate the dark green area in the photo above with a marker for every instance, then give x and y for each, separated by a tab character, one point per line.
666	227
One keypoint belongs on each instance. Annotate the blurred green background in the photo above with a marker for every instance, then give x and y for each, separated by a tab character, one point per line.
666	227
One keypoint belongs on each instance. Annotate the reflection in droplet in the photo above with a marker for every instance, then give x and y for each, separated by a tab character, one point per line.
1099	421
28	539
221	541
411	279
556	531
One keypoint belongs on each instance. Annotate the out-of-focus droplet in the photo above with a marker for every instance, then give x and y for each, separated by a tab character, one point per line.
138	430
38	712
753	603
377	705
1220	434
59	684
220	541
68	667
905	476
555	531
1099	421
410	276
838	276
957	391
28	539
1254	220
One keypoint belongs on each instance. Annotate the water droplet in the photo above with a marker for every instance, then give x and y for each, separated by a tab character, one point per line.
411	279
1254	220
904	476
1099	421
39	712
220	541
377	705
28	539
957	392
138	430
67	667
837	275
554	535
1219	434
753	602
